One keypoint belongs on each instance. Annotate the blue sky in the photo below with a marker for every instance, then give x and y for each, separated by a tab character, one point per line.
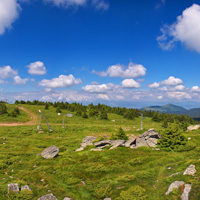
121	53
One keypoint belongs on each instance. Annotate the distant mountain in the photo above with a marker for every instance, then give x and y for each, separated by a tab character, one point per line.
169	108
194	113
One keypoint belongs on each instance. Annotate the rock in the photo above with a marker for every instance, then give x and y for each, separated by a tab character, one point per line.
102	143
50	152
88	141
14	187
48	197
26	187
67	198
175	184
141	142
186	191
191	128
117	143
148	138
107	199
174	174
97	149
190	170
80	149
130	142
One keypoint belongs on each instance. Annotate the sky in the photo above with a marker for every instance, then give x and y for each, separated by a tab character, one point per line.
117	52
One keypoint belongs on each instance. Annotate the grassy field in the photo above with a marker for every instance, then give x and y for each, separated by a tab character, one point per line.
141	173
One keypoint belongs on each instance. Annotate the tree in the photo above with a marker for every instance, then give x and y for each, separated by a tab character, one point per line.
3	108
46	106
85	115
120	135
58	110
103	115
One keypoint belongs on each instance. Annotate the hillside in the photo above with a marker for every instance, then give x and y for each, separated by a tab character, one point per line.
120	173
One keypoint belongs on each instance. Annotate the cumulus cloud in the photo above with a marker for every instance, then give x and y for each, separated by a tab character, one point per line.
130	71
179	87
62	81
130	83
154	85
103	96
195	89
37	68
2	81
186	29
98	4
98	88
6	72
172	81
179	95
20	81
9	11
103	74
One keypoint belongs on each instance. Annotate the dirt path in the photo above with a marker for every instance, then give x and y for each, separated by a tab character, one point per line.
33	119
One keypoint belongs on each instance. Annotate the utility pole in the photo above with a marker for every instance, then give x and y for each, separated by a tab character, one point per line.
41	115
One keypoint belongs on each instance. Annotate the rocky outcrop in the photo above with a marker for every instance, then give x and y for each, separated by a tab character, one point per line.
50	152
26	187
102	143
87	141
190	170
130	142
175	184
148	138
191	128
186	192
117	143
13	187
48	197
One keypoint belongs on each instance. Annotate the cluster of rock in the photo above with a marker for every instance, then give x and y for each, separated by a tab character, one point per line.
15	187
192	128
51	197
148	139
187	187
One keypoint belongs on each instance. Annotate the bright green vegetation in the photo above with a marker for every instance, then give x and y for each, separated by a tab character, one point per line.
121	173
12	114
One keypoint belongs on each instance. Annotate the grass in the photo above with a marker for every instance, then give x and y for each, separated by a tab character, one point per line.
90	175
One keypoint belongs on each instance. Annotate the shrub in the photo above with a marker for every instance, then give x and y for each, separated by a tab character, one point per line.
172	138
85	115
120	135
3	108
133	193
103	115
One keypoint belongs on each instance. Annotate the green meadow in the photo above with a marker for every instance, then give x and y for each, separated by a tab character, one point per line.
121	173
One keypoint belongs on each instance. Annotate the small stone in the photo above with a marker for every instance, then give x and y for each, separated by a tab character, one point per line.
190	170
175	184
189	138
10	176
107	199
169	168
26	187
42	180
67	198
186	191
97	149
48	197
174	174
14	187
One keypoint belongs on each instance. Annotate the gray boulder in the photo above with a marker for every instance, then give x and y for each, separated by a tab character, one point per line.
141	142
190	170
186	192
14	187
191	128
130	142
48	197
88	141
102	143
26	187
117	143
67	198
175	184
50	152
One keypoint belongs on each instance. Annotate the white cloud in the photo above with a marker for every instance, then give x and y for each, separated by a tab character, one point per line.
103	96
98	88
160	97
130	71
2	81
130	83
195	89
98	4
103	74
9	11
179	95
154	85
6	72
61	82
179	87
94	83
19	81
186	29
37	68
172	81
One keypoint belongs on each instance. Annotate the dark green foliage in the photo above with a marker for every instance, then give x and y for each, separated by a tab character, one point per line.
58	110
85	115
78	112
46	106
103	115
165	124
120	135
3	108
172	138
